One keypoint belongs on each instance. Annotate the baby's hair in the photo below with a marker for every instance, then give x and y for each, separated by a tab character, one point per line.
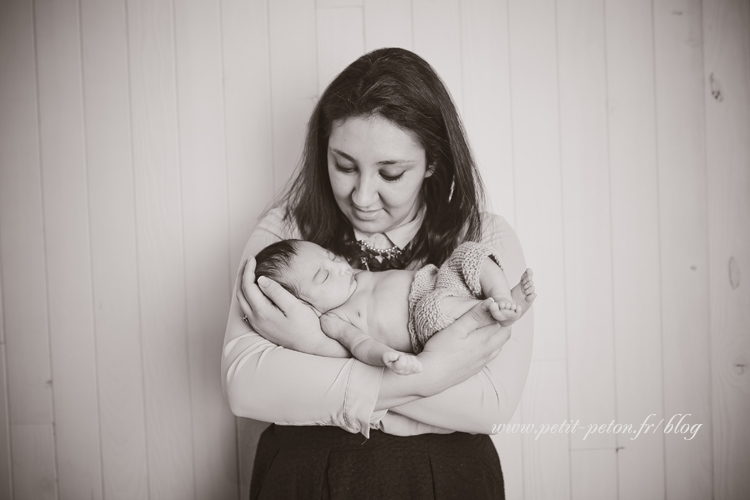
274	260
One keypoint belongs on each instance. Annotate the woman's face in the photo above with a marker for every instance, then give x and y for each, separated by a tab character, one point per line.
376	171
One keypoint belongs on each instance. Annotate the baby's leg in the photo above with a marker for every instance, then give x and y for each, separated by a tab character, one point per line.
367	349
495	285
507	309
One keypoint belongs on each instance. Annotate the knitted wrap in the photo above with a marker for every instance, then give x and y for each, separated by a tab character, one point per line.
457	277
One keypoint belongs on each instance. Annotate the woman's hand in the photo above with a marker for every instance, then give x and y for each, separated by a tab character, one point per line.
451	356
277	314
464	348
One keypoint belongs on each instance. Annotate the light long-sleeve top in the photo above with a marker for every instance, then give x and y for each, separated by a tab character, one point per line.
270	383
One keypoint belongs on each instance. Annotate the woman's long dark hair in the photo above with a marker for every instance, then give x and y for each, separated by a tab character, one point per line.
403	88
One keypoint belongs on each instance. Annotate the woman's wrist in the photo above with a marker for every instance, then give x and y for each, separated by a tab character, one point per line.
396	390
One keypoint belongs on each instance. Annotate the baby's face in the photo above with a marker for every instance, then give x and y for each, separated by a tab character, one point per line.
324	279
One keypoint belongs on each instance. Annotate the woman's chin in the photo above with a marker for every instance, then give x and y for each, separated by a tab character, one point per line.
369	227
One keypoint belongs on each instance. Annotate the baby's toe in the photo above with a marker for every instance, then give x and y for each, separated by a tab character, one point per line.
407	365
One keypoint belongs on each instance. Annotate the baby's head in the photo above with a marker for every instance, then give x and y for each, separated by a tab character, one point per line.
309	272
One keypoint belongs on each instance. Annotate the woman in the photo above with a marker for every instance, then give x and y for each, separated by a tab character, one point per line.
387	180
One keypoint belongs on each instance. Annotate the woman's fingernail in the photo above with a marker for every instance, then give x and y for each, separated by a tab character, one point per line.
263	281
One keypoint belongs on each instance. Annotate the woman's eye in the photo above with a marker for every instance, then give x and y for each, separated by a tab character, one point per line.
391	178
346	170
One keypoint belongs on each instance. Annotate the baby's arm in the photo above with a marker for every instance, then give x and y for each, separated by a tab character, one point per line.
367	349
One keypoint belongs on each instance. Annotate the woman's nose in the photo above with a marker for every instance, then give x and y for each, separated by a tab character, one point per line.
364	194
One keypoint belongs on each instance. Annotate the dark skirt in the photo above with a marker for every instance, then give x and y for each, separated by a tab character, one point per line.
315	462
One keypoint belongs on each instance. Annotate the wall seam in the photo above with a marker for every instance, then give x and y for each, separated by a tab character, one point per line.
91	248
654	68
611	241
228	205
137	251
562	227
44	240
186	318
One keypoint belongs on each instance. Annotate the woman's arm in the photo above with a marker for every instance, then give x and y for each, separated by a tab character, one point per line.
492	395
264	381
267	382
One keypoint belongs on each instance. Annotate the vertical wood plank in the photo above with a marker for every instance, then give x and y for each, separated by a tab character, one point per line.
249	137
593	474
113	249
536	147
486	99
635	242
683	241
159	236
6	470
535	122
437	38
206	240
23	272
546	460
22	222
387	24
249	154
340	41
586	213
34	475
294	81
727	74
66	214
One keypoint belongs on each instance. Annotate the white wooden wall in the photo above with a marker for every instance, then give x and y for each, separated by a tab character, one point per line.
139	140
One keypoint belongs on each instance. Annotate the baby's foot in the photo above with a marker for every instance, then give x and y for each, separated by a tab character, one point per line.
523	293
402	363
507	312
504	310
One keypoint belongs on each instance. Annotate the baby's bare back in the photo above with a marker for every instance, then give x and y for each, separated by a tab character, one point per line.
380	307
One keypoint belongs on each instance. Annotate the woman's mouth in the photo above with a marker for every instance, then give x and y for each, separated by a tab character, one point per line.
366	214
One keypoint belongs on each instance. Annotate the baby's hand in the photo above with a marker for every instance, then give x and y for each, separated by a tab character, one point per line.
402	363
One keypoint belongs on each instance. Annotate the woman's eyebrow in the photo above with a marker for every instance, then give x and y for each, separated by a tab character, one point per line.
396	162
341	153
382	162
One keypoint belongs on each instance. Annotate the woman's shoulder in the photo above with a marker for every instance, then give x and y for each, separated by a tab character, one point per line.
495	228
274	220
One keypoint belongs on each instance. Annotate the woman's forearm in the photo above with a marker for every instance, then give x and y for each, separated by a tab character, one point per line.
270	383
492	395
489	397
396	390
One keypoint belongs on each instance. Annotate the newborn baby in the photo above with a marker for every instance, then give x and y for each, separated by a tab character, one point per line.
388	314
